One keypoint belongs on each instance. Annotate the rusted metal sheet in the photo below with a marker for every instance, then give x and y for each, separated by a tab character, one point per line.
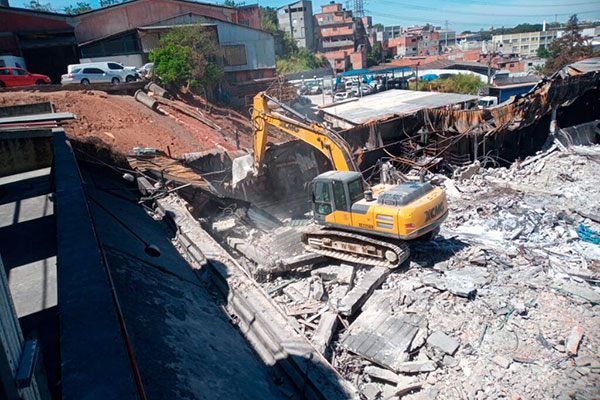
161	165
452	134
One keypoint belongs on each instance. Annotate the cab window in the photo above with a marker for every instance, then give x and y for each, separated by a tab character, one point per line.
20	72
339	196
322	198
5	71
114	66
355	188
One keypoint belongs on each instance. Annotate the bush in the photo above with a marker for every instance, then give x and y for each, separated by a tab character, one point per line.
461	83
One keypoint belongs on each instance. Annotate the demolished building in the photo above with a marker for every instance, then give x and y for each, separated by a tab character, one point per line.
199	289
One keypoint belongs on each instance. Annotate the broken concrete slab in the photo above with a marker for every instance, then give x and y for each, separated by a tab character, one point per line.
317	290
381	337
420	337
414	367
502	361
408	388
585	292
343	274
361	292
462	282
325	330
371	391
382	374
574	339
223	225
443	342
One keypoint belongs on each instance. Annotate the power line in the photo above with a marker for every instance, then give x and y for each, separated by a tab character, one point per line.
530	5
425	8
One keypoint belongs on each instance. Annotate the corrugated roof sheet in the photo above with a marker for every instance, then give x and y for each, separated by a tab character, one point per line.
394	101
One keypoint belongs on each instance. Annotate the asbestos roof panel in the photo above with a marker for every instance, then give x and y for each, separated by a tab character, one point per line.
392	102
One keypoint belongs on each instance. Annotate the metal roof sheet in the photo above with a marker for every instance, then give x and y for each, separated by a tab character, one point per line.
390	102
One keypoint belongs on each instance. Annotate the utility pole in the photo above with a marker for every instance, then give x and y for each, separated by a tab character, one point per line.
417	78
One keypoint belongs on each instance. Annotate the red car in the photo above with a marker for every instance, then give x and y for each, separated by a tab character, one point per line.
10	76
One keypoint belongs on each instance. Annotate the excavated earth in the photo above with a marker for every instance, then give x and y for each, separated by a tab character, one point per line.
123	123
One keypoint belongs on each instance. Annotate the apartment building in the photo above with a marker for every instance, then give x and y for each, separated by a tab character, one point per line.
297	20
343	39
524	44
447	38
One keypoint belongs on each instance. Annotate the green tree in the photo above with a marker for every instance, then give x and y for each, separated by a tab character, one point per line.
232	3
460	83
105	3
187	56
374	55
268	19
79	8
567	49
542	52
37	6
299	60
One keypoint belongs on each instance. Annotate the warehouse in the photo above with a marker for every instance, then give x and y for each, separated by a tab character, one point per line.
49	41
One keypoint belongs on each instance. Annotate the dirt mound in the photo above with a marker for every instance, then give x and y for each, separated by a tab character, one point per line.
123	123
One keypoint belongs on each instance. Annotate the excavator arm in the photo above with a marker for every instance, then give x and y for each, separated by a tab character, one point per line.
333	146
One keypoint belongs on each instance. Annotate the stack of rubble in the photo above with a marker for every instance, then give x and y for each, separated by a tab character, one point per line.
503	304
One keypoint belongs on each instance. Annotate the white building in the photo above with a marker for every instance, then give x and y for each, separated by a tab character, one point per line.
524	44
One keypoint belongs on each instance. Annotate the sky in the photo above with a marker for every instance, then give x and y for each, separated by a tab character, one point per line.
459	15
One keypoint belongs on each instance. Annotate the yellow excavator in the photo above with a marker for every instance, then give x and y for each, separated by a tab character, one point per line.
355	223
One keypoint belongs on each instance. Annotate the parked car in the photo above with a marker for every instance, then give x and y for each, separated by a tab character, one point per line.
339	96
88	75
125	74
145	70
10	77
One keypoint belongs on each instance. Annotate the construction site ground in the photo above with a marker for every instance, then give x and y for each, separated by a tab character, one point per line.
123	123
503	303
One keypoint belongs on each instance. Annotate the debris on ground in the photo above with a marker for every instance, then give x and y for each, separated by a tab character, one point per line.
502	304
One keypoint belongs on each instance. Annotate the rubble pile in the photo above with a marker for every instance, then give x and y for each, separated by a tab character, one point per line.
502	304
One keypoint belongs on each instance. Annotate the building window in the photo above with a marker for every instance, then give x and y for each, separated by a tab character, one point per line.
234	55
245	22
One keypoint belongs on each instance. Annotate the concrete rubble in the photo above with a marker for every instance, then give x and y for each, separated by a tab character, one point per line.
502	304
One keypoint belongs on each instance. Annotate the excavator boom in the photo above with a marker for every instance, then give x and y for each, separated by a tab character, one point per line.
333	146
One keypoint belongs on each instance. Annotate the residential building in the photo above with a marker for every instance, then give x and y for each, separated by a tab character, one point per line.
416	41
404	46
343	39
447	39
523	44
297	20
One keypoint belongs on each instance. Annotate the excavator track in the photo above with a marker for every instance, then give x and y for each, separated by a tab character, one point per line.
355	248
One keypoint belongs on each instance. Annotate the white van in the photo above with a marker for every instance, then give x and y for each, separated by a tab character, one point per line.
12	61
126	74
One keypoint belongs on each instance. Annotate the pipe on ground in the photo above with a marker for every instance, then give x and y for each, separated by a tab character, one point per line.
146	100
157	90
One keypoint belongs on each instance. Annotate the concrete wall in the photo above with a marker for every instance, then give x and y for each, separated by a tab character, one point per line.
126	16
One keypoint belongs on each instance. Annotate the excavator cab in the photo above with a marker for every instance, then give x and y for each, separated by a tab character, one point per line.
336	191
